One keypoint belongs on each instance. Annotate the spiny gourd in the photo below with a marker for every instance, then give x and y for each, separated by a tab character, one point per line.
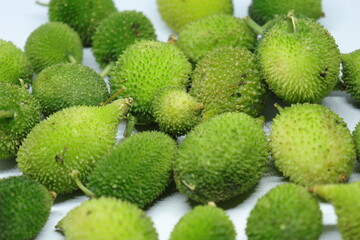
144	68
53	43
228	79
204	222
14	64
310	144
221	158
356	137
178	13
137	170
81	15
25	207
287	211
19	113
299	59
176	111
74	138
107	218
117	32
262	10
205	34
345	199
68	84
351	73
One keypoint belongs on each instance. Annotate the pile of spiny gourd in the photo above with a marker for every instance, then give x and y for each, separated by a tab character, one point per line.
209	82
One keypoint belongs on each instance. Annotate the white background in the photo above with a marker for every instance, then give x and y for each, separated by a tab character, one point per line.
18	18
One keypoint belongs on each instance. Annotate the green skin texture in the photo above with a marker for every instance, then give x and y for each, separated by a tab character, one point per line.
300	66
356	137
118	31
146	67
26	114
261	11
176	111
310	144
55	89
287	211
345	199
228	79
72	139
201	36
14	64
178	13
82	15
52	43
107	218
137	170
221	158
25	207
204	222
351	73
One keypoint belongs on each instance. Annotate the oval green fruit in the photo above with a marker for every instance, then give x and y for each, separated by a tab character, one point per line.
221	158
351	73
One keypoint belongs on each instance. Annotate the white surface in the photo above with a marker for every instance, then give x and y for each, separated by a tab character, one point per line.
18	18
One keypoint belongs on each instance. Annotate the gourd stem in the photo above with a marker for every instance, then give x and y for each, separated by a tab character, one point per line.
42	4
107	69
113	96
71	59
131	122
253	25
291	21
75	176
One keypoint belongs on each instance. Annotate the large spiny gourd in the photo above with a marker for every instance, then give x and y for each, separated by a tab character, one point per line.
72	139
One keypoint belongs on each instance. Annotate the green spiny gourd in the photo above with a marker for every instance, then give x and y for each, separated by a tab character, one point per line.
221	158
228	79
310	144
53	43
178	13
203	35
144	68
25	207
345	199
117	32
263	11
204	222
137	170
19	112
68	84
176	111
351	73
299	59
81	15
107	218
287	211
74	138
15	66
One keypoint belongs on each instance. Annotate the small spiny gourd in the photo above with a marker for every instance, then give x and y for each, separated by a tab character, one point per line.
15	65
178	13
25	207
351	73
221	158
310	144
53	43
206	34
19	113
107	218
287	211
146	67
116	32
81	15
137	170
68	84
